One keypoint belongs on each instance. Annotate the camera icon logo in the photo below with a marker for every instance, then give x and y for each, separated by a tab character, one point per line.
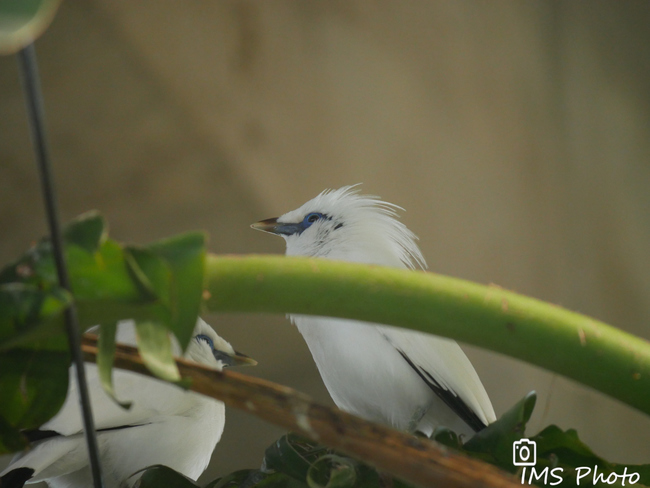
524	452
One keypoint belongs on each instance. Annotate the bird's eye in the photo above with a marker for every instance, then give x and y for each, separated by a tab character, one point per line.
206	339
311	218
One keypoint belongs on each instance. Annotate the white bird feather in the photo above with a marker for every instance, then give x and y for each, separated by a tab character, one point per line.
165	424
409	380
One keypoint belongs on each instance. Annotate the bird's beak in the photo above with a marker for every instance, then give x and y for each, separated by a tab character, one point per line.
240	359
272	226
237	359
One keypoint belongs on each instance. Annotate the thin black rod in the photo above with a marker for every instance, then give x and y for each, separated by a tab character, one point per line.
34	97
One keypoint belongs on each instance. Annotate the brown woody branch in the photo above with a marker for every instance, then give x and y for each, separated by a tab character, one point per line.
410	458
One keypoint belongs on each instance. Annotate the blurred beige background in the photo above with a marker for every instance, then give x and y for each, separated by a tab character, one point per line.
516	135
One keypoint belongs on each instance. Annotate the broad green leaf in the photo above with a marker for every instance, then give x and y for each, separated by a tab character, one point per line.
494	443
11	440
332	471
101	275
29	314
497	438
564	449
100	280
642	469
155	348
23	21
105	356
163	477
151	273
185	255
88	231
566	446
33	386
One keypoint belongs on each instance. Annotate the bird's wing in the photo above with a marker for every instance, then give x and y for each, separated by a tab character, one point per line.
54	457
445	368
149	397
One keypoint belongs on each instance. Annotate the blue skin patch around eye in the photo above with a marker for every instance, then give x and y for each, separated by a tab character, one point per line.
224	358
206	339
310	219
289	229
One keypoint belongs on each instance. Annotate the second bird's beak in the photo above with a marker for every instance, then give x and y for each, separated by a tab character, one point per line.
272	226
240	359
237	359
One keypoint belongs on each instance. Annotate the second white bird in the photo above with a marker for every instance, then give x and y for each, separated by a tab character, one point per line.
165	425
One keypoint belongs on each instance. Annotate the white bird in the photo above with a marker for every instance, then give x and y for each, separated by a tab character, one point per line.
408	380
165	424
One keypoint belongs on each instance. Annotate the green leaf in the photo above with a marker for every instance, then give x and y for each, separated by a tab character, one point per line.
495	441
22	21
564	449
185	255
236	479
33	387
100	280
101	275
292	455
105	356
554	448
316	466
447	437
29	314
155	348
566	446
163	477
151	273
11	440
88	231
251	478
332	471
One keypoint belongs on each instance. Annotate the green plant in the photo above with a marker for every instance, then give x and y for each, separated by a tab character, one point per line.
165	284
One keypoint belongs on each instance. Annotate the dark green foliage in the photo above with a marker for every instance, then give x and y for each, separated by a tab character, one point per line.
555	449
159	286
33	385
162	476
295	462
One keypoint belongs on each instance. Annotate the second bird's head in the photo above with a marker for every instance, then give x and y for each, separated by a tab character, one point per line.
210	349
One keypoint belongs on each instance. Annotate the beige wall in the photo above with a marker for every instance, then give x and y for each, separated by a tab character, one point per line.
516	135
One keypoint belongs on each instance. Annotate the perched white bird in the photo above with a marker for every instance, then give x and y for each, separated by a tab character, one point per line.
165	424
409	380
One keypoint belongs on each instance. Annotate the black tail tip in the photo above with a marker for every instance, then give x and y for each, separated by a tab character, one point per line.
16	478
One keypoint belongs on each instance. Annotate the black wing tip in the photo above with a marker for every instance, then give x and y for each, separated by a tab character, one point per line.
452	400
459	407
16	478
36	435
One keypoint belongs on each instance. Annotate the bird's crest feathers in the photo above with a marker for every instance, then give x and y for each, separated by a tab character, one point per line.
364	214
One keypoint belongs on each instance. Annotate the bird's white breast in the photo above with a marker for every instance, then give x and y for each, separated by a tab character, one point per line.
358	366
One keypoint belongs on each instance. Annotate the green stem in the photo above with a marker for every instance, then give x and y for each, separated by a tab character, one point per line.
576	346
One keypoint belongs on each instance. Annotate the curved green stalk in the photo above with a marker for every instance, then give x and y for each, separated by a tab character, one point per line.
576	346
